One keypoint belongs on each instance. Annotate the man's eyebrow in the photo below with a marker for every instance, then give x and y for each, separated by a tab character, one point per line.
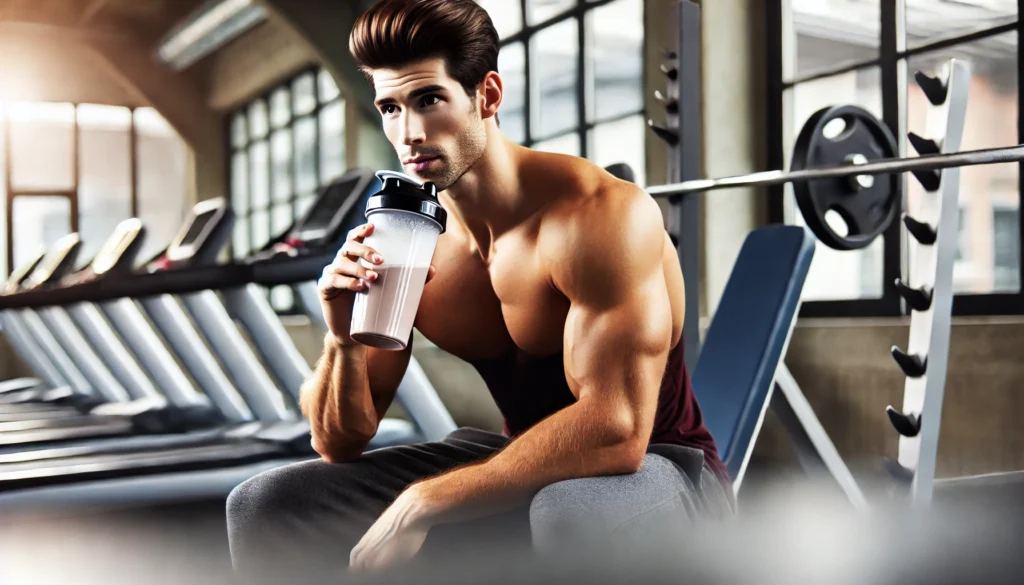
419	92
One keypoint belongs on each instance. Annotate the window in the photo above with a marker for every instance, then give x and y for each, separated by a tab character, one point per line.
834	52
285	145
573	73
86	167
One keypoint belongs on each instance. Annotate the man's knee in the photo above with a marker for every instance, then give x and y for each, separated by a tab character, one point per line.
594	510
267	499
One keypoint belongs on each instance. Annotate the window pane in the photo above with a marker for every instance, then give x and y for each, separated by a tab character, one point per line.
259	175
305	154
240	182
512	115
303	203
240	238
42	142
506	15
615	59
554	53
3	191
931	21
304	94
280	107
332	141
280	219
259	227
989	194
281	298
163	179
621	142
566	144
327	90
835	274
1006	250
831	33
105	180
239	133
281	164
540	10
259	123
37	223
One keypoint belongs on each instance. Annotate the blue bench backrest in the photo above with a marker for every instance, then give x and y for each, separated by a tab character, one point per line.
748	335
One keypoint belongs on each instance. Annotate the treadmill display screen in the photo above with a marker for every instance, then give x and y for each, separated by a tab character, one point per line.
115	246
327	206
197	227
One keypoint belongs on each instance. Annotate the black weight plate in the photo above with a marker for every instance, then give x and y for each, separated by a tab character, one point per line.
867	211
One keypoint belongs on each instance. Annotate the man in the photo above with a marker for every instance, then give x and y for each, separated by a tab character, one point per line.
555	280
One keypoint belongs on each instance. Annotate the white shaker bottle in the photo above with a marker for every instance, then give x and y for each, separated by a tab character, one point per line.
407	220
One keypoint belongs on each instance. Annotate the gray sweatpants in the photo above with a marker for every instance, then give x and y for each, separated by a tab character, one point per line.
308	516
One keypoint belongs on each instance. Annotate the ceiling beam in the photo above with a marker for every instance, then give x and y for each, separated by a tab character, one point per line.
83	34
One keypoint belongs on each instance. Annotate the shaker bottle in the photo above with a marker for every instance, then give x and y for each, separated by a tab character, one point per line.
407	220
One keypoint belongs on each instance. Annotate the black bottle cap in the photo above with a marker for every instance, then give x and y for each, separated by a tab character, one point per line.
400	192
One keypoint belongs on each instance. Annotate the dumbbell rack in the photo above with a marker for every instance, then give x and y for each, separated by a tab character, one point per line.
932	229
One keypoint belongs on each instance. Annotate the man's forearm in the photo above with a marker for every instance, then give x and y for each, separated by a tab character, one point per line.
338	402
578	441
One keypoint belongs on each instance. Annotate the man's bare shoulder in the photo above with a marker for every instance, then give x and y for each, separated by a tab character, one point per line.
596	217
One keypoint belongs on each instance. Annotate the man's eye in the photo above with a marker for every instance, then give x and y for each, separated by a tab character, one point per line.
388	109
431	100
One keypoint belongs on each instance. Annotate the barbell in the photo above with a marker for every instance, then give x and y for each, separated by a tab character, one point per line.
835	170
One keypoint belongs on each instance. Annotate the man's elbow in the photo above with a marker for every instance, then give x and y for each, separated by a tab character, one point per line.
628	440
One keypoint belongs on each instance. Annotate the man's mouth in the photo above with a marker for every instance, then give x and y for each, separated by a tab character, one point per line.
420	163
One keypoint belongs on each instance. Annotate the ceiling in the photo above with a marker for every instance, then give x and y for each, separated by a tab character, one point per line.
147	20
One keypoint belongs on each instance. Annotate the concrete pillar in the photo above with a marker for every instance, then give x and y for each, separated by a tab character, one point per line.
324	25
734	132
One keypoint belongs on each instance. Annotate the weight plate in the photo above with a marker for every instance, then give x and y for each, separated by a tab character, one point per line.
868	206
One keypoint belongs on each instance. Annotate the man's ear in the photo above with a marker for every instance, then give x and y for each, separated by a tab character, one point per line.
491	91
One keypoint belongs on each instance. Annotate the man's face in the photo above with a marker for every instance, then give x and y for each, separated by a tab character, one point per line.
436	129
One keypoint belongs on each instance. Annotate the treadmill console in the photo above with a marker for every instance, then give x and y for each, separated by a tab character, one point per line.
201	239
18	276
327	221
57	262
117	253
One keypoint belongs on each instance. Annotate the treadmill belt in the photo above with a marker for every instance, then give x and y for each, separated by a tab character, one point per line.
35	474
110	428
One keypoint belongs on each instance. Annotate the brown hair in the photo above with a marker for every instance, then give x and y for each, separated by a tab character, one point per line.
393	33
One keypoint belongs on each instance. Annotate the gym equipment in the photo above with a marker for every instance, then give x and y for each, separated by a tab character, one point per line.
866	206
932	228
296	256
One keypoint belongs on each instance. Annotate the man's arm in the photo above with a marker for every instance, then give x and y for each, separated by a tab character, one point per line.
617	338
345	399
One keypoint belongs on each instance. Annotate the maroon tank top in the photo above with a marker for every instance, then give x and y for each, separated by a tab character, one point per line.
528	389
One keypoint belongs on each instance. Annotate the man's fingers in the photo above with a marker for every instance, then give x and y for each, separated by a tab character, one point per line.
354	250
332	284
358	233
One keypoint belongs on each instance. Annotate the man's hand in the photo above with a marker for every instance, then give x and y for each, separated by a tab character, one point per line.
394	538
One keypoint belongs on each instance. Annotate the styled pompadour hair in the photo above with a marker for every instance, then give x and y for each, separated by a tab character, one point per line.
393	33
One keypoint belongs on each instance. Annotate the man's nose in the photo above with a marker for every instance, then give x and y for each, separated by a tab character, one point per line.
412	130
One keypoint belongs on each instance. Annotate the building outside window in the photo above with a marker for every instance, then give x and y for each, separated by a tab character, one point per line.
837	52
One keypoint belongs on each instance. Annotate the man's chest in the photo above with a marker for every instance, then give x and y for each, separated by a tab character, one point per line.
478	311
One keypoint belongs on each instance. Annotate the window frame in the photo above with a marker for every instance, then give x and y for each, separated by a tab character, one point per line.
891	60
583	127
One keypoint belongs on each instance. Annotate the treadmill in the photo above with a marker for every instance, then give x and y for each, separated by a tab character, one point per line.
73	338
293	259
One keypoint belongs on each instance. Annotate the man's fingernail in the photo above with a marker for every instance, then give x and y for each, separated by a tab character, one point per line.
371	275
377	259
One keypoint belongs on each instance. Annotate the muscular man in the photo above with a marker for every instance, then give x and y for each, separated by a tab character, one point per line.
555	280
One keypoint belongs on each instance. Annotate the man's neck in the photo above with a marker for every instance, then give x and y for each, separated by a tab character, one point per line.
488	198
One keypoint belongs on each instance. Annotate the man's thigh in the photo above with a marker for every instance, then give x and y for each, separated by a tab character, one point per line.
657	502
312	513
